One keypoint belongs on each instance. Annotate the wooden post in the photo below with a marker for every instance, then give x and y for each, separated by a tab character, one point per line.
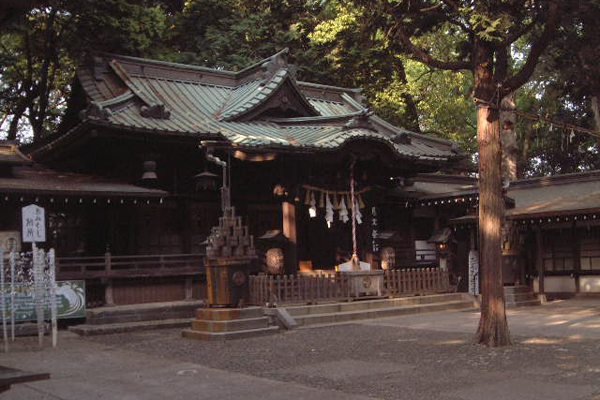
539	251
189	287
289	231
108	289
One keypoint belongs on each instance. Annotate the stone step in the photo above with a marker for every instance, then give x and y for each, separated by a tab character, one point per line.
226	314
517	297
297	311
104	329
516	289
142	312
230	325
337	317
525	303
243	334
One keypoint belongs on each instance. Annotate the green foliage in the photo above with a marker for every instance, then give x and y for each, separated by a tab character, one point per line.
41	50
333	42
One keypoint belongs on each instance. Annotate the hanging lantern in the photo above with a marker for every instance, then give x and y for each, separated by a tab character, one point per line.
279	190
274	259
149	174
388	258
205	181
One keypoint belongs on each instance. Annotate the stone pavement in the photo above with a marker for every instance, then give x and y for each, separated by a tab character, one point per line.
87	370
572	319
556	356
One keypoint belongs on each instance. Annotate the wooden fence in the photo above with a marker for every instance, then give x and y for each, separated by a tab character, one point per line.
299	288
414	281
337	286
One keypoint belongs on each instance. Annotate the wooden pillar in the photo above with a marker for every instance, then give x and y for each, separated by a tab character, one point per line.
289	231
575	254
539	251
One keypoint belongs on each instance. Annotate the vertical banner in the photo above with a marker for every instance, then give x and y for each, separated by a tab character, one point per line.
474	272
38	277
12	260
374	230
52	292
3	300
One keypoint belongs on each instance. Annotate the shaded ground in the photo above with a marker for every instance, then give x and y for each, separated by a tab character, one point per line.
391	358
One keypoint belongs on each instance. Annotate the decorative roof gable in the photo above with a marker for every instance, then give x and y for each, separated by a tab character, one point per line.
273	92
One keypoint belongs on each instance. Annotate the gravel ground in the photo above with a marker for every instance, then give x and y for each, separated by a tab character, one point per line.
380	361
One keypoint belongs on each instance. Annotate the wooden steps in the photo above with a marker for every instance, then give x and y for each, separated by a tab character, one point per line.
345	312
137	317
121	327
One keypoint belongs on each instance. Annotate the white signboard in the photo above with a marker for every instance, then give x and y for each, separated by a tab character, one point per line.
34	224
474	272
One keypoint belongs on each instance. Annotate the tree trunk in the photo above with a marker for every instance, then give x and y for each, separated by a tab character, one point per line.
411	112
493	326
13	127
508	137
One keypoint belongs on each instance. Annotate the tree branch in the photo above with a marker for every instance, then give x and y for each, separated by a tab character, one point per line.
537	48
501	64
398	31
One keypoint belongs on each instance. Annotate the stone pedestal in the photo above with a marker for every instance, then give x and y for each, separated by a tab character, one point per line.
365	283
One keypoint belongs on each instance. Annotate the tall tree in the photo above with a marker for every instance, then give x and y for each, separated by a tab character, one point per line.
42	43
484	32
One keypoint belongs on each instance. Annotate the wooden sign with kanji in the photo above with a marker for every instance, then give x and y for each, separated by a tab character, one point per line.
34	224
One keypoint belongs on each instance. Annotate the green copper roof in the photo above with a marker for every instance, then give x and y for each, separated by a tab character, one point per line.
260	106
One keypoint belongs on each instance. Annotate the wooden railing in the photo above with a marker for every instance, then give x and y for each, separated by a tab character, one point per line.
109	266
416	281
288	289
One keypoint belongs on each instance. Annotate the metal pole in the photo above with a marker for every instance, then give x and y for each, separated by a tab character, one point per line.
354	260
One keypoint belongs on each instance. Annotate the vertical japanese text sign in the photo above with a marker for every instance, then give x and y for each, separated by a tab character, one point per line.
34	224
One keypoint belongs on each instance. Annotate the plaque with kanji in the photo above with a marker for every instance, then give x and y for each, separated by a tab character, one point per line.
34	224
